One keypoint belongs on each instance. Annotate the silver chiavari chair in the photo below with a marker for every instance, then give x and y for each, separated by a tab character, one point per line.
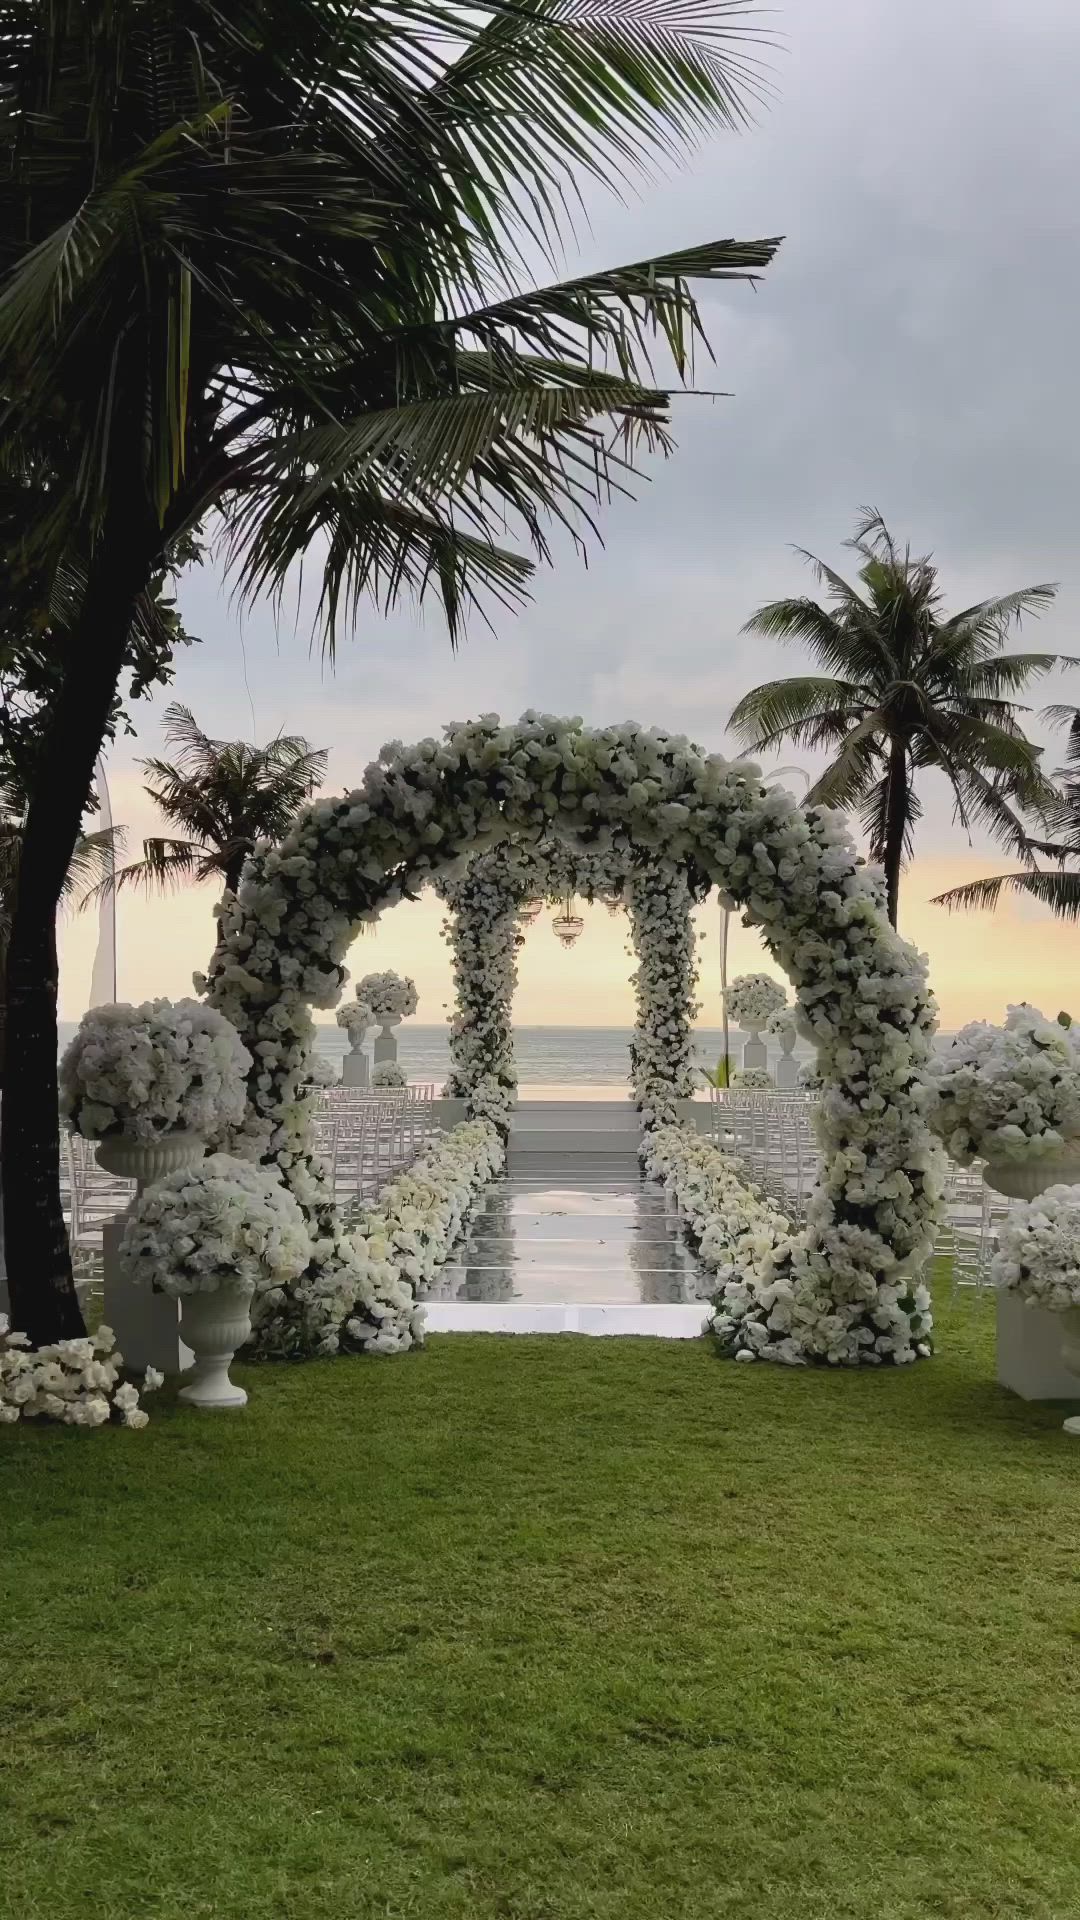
92	1198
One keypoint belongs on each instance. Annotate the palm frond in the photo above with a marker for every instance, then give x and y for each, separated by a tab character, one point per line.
1059	891
774	710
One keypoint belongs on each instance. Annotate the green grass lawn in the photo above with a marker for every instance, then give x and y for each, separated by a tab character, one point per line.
560	1629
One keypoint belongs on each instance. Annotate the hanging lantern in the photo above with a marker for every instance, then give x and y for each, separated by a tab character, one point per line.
567	926
614	906
530	910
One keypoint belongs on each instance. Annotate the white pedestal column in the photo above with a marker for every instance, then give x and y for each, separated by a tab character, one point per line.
1029	1359
355	1070
386	1043
146	1324
755	1053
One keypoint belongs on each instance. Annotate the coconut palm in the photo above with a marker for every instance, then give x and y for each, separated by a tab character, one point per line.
1060	890
906	689
224	795
261	268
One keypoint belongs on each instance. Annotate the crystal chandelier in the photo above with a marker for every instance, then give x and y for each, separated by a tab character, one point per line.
530	910
567	925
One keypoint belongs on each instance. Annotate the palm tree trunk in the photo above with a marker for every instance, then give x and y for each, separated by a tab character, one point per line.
896	823
44	1304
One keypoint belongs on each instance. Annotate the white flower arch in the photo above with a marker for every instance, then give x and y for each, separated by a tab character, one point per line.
861	991
485	933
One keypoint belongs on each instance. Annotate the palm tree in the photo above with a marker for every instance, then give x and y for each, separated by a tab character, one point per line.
1060	890
260	266
224	795
906	689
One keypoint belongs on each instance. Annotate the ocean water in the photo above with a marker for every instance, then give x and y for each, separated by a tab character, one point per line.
546	1056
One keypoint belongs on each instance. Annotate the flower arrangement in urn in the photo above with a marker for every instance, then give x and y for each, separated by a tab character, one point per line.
211	1236
1038	1258
752	999
152	1084
751	1080
355	1017
390	996
1011	1096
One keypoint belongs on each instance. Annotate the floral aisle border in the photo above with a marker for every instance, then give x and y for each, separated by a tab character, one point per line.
862	996
484	933
742	1237
398	1246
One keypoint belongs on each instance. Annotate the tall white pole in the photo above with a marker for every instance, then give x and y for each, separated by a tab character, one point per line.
103	979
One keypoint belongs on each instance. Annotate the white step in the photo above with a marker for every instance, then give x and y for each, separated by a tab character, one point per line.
493	1316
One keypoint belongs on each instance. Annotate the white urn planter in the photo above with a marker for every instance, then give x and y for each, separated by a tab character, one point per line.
386	1042
1026	1179
214	1325
145	1161
787	1067
146	1324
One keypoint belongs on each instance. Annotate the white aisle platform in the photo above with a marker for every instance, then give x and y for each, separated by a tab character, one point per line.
571	1239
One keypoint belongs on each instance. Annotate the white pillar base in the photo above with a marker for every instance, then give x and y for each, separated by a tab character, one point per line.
755	1055
787	1072
385	1043
1029	1359
355	1070
146	1324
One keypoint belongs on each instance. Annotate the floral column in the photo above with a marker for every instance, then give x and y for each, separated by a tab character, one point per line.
484	935
662	1054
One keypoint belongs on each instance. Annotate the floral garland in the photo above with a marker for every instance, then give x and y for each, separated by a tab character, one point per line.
1038	1253
399	1245
760	1311
662	1052
76	1382
485	936
862	997
1009	1092
752	999
163	1067
221	1220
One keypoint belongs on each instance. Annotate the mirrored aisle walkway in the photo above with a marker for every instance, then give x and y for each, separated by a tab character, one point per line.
590	1253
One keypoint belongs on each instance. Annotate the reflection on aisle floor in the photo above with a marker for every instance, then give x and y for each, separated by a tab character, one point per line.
586	1242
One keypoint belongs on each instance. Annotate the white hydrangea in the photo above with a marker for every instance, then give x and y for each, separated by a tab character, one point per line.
390	996
752	998
321	1072
751	1080
1009	1092
1038	1253
861	992
77	1382
369	1302
355	1017
388	1073
781	1023
162	1067
223	1220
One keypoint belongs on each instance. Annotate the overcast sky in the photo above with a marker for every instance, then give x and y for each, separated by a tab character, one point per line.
913	348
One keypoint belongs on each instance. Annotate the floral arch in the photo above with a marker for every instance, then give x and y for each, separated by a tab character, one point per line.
485	933
422	813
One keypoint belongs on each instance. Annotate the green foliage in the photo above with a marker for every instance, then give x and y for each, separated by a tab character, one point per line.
906	689
261	260
224	795
721	1074
558	1629
1061	815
